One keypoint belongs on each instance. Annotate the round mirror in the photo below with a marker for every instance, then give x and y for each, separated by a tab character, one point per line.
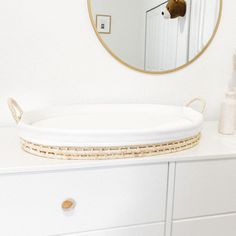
155	36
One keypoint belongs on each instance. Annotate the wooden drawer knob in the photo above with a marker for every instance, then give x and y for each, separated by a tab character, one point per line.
68	205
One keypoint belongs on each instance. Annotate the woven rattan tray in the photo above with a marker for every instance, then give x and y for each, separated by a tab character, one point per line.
91	132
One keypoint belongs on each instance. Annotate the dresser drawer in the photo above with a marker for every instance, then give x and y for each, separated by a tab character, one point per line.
31	204
209	226
205	188
147	230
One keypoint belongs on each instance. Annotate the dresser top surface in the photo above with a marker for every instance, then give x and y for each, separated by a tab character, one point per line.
213	146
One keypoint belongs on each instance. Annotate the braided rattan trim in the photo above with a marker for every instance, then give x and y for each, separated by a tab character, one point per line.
104	153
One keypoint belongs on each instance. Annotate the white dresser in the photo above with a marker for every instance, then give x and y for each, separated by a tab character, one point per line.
192	193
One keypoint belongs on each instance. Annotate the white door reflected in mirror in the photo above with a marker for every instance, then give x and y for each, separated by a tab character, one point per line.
155	36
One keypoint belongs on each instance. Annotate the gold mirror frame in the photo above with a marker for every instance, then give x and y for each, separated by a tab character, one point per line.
89	5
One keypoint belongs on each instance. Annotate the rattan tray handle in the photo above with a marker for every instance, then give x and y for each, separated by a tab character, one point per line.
201	100
15	109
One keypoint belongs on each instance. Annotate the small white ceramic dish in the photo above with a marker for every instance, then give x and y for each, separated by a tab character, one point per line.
106	125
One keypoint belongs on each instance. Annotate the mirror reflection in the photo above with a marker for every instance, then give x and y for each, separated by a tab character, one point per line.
155	36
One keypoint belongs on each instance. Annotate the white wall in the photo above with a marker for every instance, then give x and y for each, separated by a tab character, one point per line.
127	38
49	55
153	3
